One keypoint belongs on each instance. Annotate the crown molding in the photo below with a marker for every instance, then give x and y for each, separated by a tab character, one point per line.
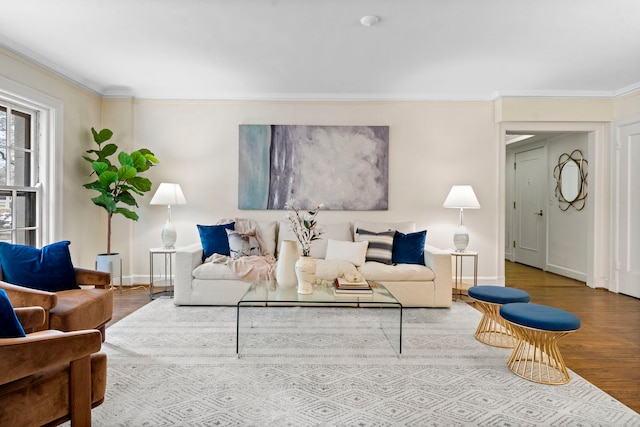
48	65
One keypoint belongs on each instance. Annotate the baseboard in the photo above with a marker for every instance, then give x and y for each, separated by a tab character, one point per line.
562	271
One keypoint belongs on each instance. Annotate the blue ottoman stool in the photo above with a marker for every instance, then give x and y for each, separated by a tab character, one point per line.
539	328
493	330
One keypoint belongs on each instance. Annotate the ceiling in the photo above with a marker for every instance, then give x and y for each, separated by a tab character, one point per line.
317	49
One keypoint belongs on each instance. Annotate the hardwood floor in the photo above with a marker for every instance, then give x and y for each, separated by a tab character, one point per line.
605	350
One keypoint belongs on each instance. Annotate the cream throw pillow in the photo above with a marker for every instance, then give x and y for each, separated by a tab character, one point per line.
353	252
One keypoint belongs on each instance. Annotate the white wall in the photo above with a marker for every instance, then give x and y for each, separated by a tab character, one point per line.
433	145
567	231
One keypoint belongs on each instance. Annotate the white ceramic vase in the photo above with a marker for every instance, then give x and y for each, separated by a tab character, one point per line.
306	274
286	267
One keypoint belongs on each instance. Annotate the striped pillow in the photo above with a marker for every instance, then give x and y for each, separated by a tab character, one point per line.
380	247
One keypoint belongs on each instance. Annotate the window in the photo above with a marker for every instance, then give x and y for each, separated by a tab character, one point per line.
19	188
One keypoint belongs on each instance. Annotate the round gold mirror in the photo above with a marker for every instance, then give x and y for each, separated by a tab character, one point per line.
571	180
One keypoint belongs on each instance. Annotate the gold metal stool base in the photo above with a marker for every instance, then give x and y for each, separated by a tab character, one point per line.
537	357
493	329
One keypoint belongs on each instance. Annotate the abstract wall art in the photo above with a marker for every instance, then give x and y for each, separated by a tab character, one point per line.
342	167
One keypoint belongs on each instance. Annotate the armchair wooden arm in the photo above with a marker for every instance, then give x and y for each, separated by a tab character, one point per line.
31	317
99	279
51	377
21	296
39	351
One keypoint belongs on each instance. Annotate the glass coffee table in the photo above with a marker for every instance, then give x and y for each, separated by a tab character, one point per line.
262	295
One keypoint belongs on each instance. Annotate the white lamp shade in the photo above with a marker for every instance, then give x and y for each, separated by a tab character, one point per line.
168	194
461	197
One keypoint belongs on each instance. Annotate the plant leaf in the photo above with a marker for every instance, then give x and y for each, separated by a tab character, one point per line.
140	183
108	150
107	178
125	159
105	201
99	167
127	198
102	136
126	172
127	213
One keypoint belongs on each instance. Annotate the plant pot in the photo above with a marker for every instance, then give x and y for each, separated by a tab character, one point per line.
110	263
306	274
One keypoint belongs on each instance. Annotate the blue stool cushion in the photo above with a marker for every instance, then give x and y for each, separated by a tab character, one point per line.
498	294
540	317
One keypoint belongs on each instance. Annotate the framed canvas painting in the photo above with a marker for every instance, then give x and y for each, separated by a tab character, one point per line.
342	167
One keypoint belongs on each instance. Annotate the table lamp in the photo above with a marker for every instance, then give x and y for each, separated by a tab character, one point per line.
461	197
168	194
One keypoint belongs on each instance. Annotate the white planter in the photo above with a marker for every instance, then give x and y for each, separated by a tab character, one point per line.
306	274
286	268
110	264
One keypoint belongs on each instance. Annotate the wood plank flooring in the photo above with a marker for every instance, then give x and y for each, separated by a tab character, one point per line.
605	350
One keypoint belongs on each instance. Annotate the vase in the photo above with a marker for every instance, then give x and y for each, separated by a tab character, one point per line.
286	267
306	274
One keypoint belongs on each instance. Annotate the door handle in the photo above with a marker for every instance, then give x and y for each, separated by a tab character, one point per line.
538	213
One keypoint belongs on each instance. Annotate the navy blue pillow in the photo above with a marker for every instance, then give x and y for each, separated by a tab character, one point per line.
47	269
10	326
409	248
214	239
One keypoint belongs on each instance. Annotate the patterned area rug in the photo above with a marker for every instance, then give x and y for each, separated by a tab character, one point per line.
176	366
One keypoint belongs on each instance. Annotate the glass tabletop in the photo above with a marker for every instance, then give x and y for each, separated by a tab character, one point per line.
271	292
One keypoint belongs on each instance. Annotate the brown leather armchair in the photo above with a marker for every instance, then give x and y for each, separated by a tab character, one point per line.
50	377
70	310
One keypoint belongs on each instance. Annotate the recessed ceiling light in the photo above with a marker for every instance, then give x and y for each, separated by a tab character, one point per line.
369	20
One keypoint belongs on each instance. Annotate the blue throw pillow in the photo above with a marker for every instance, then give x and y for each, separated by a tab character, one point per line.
47	269
214	239
10	326
409	248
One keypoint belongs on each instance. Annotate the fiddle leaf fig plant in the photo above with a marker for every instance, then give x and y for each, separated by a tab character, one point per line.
117	184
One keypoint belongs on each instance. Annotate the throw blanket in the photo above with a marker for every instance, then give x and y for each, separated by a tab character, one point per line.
249	268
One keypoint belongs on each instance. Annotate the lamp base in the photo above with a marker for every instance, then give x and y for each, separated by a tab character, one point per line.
169	235
461	239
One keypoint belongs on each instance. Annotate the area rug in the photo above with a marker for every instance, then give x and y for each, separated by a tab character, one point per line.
304	366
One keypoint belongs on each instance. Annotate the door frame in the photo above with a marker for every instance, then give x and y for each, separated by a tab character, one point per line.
615	154
598	203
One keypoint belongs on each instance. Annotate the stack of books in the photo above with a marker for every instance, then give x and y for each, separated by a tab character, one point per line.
345	287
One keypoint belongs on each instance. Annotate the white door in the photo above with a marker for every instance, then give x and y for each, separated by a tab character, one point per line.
627	265
529	216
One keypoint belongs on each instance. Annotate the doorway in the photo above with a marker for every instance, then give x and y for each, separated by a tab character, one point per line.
538	233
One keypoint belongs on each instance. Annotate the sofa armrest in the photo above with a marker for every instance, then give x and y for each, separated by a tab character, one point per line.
25	356
187	259
440	262
21	296
99	279
31	317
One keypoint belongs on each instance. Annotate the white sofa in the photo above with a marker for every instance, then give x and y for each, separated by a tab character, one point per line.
429	285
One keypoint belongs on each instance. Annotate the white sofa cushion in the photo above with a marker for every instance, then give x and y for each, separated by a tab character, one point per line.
213	271
396	273
330	269
354	252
